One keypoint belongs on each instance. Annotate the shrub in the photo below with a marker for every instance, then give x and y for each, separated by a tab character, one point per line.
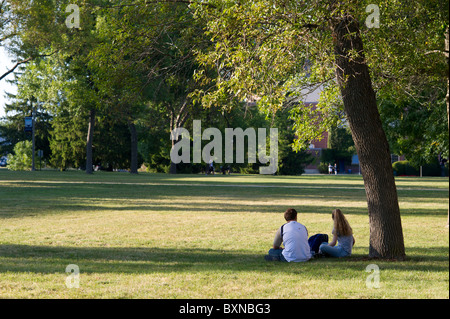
404	168
323	168
21	160
429	169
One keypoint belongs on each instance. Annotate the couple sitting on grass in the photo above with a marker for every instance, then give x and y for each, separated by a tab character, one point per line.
295	238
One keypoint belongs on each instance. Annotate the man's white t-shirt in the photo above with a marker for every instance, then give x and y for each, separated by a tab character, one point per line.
295	239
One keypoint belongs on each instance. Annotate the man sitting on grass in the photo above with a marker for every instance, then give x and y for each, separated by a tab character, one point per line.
295	238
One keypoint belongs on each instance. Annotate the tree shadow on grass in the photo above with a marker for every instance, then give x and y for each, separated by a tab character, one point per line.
22	200
55	206
54	259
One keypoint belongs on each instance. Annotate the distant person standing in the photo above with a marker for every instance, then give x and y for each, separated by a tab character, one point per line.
335	169
442	162
211	166
330	169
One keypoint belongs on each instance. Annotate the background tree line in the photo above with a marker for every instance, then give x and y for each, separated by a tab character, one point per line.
108	94
121	111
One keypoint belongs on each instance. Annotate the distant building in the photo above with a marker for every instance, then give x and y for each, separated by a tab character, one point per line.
311	99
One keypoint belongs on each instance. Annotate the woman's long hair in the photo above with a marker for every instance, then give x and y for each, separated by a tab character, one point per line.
341	225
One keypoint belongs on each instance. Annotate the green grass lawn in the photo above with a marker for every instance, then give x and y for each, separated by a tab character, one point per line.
196	236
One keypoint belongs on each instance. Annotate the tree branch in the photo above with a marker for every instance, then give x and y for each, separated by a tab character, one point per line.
155	1
445	53
14	67
22	62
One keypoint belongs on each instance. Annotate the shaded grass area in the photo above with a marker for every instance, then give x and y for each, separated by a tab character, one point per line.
347	181
148	236
181	260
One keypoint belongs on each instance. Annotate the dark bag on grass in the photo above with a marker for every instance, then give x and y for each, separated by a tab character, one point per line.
315	240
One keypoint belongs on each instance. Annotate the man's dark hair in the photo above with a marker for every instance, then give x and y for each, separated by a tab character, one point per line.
290	214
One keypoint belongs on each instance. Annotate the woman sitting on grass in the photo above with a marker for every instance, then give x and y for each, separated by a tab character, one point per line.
342	235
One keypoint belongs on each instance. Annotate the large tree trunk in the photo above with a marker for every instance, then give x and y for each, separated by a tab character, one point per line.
173	125
446	53
90	135
173	166
386	235
134	148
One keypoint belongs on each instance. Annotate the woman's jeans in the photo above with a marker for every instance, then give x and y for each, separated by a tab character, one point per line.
336	251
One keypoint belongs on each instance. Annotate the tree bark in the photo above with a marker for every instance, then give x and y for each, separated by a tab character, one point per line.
90	134
134	148
386	234
176	122
446	53
173	166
